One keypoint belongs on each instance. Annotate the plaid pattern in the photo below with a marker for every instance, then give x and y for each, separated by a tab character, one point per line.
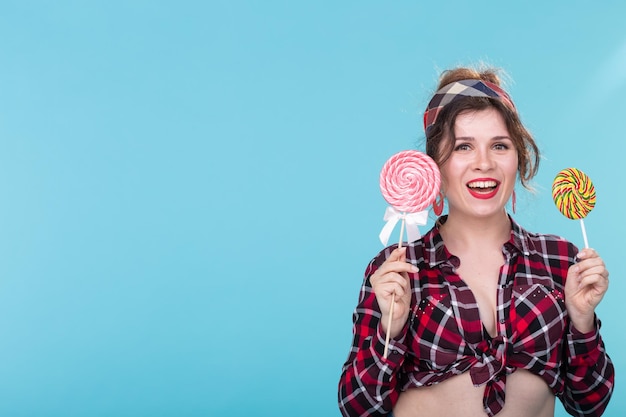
444	335
463	88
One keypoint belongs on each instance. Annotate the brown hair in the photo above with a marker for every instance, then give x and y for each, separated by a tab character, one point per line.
440	150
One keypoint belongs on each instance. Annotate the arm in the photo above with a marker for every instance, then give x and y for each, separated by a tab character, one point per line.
589	373
369	382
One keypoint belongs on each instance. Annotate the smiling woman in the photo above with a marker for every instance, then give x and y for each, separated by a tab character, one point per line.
480	173
483	309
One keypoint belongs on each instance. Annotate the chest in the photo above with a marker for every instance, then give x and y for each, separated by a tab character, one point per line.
482	276
454	313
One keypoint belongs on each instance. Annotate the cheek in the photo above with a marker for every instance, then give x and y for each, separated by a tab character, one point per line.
513	167
452	170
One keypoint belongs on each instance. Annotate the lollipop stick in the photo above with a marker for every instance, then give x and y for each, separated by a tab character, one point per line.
582	226
393	302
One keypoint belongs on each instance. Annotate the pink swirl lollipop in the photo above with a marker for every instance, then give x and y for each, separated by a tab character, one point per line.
410	181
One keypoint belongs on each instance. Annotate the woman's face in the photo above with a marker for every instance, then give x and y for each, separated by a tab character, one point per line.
480	175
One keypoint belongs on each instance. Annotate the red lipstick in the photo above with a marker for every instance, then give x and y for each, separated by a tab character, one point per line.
483	188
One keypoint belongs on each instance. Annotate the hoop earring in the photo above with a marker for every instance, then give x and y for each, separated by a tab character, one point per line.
438	204
513	201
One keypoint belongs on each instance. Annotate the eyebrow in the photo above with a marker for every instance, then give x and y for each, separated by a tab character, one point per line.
495	138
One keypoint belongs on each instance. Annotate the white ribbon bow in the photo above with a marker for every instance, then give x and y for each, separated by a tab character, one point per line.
411	221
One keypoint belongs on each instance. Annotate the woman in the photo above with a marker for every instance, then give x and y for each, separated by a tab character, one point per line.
489	319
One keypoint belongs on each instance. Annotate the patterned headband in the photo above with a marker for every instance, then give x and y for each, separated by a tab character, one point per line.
463	88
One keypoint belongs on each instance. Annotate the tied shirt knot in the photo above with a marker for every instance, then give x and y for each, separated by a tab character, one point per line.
491	368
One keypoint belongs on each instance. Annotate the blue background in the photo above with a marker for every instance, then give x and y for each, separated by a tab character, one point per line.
189	190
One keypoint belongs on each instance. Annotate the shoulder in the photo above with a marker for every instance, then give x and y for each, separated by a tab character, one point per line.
416	252
549	254
542	244
550	245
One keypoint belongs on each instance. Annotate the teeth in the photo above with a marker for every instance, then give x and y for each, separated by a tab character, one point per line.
482	184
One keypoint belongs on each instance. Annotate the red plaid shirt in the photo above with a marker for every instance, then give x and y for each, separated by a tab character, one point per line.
444	335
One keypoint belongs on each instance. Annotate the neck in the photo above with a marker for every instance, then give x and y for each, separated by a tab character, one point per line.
462	232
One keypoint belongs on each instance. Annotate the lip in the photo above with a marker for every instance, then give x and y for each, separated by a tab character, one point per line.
483	195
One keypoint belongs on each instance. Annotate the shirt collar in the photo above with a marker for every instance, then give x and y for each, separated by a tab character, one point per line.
520	238
435	252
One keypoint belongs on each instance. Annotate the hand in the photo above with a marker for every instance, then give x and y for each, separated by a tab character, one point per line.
587	282
393	277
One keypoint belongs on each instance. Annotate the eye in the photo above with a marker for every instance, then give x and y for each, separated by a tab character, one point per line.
500	146
463	146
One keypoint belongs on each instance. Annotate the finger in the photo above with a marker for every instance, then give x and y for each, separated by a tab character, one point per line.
591	266
587	253
396	288
396	262
394	281
398	254
390	283
398	268
595	284
588	274
599	270
402	251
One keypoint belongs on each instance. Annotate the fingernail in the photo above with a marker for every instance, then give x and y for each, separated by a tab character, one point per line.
414	268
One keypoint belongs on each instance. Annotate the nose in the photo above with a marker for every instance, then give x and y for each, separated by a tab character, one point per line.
483	160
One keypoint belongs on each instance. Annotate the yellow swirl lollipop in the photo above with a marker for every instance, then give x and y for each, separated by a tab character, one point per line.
574	195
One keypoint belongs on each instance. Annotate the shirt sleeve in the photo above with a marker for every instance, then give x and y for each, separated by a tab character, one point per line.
369	382
589	373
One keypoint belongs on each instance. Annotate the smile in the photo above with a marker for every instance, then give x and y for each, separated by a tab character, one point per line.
483	188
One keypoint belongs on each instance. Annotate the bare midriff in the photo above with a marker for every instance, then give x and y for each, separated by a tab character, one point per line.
527	395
